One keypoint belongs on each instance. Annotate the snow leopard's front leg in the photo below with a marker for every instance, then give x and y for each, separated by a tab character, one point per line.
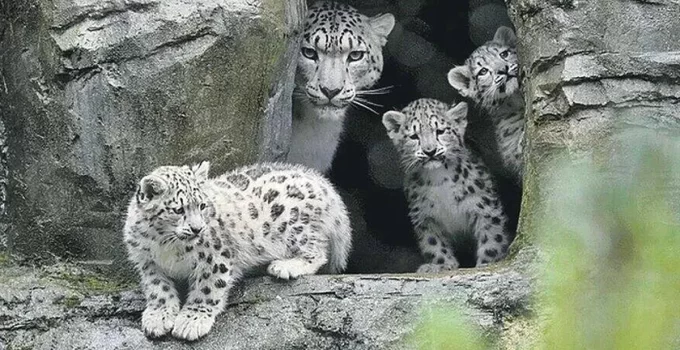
435	247
162	300
492	237
207	296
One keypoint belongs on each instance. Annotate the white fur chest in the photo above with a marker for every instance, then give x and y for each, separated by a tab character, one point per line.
314	139
440	200
171	258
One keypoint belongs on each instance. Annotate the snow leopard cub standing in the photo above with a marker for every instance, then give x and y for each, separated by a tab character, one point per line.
490	77
181	225
450	191
340	58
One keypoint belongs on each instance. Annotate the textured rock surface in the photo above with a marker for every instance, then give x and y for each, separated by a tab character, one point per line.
591	69
95	94
62	307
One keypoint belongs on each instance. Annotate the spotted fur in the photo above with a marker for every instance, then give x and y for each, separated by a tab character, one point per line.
490	77
340	57
450	191
182	225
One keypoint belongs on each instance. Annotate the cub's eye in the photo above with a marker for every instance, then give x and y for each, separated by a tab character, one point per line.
505	54
179	210
483	71
309	53
413	137
355	56
202	206
440	131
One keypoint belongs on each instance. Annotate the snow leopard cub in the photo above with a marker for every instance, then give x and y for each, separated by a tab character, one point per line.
490	77
182	225
450	191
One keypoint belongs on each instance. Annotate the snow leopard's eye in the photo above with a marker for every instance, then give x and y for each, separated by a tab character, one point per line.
482	71
413	137
179	211
504	54
309	53
355	56
440	131
202	206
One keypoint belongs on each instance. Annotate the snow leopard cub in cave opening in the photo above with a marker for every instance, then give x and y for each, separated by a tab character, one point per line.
450	191
182	225
490	78
340	59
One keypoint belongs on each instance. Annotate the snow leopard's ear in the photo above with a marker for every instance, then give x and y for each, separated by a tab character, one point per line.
393	121
382	26
150	187
201	170
457	116
505	36
460	79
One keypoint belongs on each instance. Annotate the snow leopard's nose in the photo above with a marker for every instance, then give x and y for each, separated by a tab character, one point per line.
330	93
430	153
196	229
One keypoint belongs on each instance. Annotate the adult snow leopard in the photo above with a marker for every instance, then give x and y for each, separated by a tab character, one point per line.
340	58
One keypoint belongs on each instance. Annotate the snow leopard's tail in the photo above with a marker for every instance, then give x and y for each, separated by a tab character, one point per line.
340	235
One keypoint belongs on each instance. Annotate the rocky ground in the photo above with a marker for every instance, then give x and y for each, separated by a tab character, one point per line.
67	307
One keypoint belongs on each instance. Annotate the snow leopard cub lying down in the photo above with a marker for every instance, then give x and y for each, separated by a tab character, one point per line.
449	189
182	225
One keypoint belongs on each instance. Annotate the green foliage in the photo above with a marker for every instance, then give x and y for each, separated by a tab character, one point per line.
611	237
442	327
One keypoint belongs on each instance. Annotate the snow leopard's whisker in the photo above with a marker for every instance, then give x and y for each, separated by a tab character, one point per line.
370	103
360	104
299	95
378	91
409	163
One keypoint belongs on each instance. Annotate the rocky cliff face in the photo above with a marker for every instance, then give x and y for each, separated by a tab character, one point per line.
95	94
595	72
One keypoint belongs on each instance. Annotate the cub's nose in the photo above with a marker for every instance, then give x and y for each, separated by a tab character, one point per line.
330	93
196	230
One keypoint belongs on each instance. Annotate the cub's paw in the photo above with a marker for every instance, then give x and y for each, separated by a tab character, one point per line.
437	268
192	325
288	269
159	322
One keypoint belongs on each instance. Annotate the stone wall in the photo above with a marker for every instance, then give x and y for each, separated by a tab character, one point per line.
594	72
96	94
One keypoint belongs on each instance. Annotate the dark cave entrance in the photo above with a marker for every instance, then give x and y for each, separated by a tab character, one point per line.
430	37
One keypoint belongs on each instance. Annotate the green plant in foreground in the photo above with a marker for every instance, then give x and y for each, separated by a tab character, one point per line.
444	328
611	279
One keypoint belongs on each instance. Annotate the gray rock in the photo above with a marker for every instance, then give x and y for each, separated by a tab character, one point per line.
592	70
56	309
96	94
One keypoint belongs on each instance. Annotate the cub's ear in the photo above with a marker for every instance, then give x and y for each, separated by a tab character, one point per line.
150	187
392	120
458	115
505	36
459	77
382	26
201	170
